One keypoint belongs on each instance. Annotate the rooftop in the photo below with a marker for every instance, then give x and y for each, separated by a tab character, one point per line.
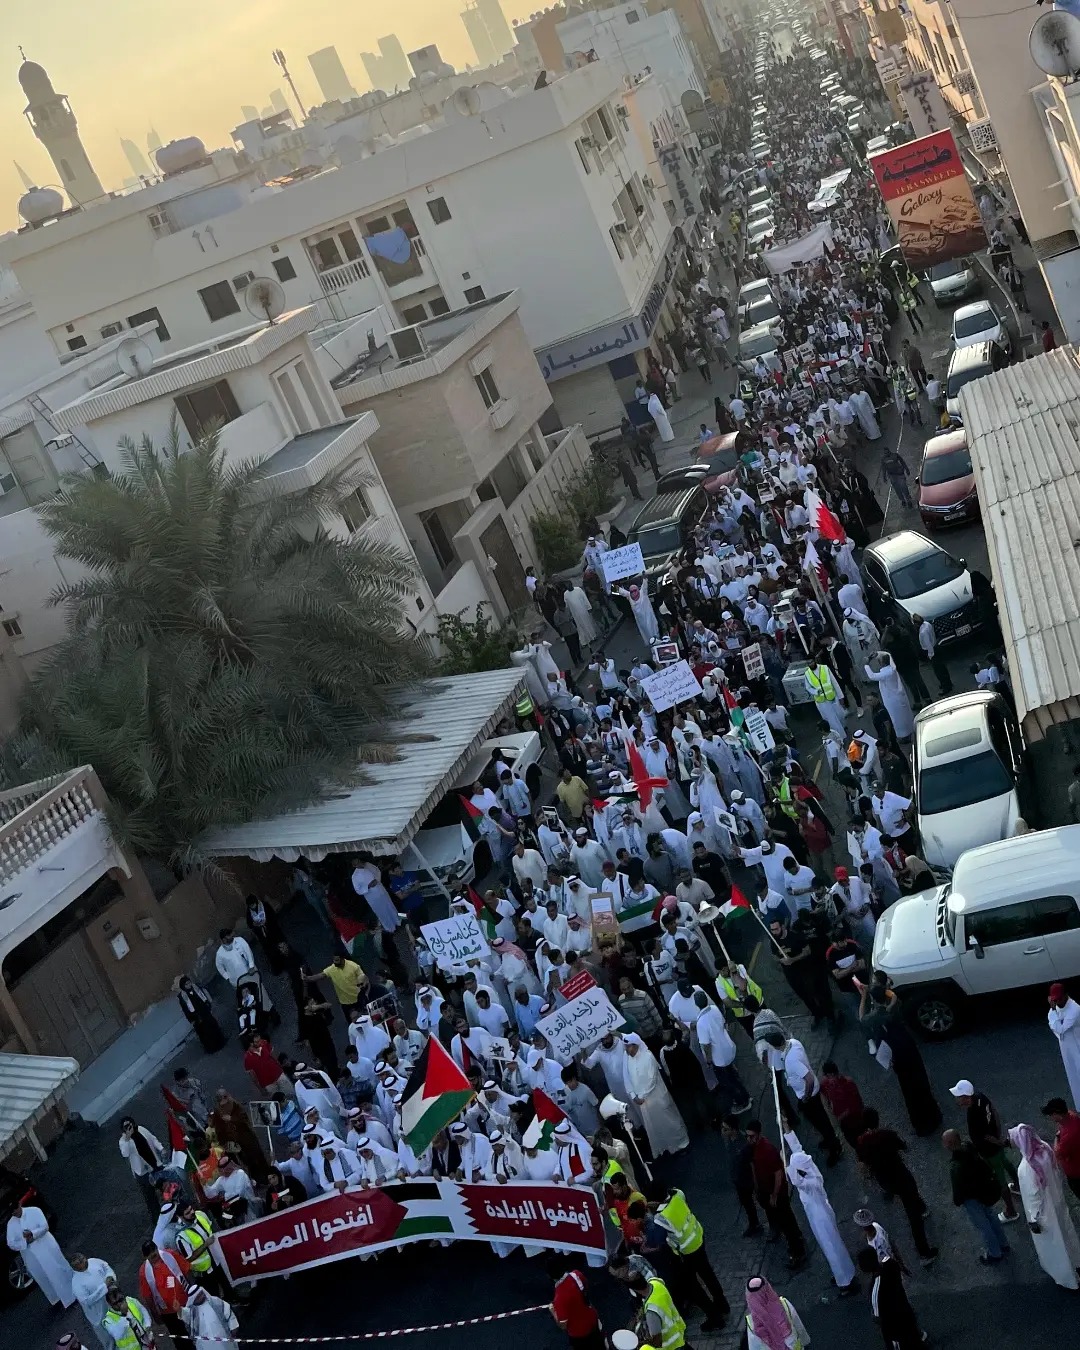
452	716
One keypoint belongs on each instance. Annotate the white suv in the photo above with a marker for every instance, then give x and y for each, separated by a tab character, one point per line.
1010	917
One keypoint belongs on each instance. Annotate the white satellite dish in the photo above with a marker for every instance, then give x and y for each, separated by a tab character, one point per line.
134	357
265	298
1054	43
466	100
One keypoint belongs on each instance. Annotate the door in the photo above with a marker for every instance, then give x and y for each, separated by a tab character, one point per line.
509	572
67	1003
1059	919
1012	949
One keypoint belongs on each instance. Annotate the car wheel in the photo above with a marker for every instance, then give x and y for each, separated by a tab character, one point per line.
19	1279
935	1014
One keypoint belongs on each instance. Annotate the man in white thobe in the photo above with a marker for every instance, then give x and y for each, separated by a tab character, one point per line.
1064	1021
210	1320
587	858
90	1282
28	1234
233	959
807	1180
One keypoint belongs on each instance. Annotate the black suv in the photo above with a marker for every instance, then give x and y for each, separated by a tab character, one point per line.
15	1279
663	526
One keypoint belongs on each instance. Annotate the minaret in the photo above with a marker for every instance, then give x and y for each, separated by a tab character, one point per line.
54	124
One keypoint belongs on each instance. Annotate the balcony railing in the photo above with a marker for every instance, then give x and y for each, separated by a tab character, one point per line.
38	815
336	279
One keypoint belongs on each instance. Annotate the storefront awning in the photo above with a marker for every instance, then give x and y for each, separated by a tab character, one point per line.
30	1086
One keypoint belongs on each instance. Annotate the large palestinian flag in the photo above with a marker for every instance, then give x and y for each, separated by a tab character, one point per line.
436	1092
539	1134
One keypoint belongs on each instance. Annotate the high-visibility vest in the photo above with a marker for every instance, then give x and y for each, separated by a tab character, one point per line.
787	804
821	685
193	1243
524	707
688	1234
731	994
672	1327
135	1312
613	1168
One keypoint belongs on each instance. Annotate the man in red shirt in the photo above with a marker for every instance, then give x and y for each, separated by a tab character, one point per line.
571	1309
164	1285
844	1099
771	1188
1067	1142
266	1072
1049	341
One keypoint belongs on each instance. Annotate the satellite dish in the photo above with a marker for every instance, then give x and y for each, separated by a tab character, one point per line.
1054	43
466	100
135	357
265	298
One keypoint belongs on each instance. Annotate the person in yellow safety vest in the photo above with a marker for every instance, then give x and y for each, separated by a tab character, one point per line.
686	1238
735	986
128	1322
782	788
192	1241
823	689
524	708
659	1322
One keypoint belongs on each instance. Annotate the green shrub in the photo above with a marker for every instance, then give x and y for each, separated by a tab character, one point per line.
474	644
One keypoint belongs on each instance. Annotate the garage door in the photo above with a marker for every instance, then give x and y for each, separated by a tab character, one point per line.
590	398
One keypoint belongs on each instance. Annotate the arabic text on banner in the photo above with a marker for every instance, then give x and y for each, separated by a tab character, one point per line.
579	1024
353	1222
674	684
456	941
620	563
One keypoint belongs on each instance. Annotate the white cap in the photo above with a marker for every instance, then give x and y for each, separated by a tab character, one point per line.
738	796
965	1088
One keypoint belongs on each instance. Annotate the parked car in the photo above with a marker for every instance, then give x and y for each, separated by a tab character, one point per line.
723	462
952	281
971	363
765	311
1009	918
979	322
761	196
663	526
449	840
876	144
15	1189
969	775
906	574
946	481
755	342
752	292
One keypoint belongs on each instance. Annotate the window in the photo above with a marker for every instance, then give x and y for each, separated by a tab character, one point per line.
355	510
632	16
326	254
439	540
65	169
440	212
203	409
8	483
12	628
219	300
414	314
474	294
489	390
1006	923
1056	913
605	122
583	154
439	305
350	245
150	316
284	269
377	226
76	344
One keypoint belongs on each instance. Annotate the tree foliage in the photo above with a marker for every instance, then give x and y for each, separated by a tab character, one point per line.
226	657
474	644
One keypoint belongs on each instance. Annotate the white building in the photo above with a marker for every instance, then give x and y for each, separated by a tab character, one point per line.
544	192
635	42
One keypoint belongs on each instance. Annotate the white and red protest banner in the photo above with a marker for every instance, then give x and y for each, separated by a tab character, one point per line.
355	1222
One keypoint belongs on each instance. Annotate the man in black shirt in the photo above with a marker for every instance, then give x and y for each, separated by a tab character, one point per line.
988	1138
710	868
804	969
879	1151
740	1154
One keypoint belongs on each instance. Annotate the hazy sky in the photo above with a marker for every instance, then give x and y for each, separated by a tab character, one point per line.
186	67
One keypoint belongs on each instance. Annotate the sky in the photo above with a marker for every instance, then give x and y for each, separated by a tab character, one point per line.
185	68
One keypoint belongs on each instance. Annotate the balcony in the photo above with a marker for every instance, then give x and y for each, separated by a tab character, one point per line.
337	279
568	453
257	435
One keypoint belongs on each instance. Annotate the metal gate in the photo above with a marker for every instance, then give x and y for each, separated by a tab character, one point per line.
509	572
67	1003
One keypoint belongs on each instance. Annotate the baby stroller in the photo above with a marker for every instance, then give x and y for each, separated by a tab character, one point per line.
255	1011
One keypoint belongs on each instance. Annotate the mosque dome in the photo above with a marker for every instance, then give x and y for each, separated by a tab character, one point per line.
40	204
35	81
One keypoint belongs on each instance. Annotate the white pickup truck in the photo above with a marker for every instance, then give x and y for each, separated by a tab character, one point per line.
1009	918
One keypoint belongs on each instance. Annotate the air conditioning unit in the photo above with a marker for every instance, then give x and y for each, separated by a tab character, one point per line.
648	184
408	344
587	142
620	227
623	111
964	82
159	222
109	330
243	281
983	136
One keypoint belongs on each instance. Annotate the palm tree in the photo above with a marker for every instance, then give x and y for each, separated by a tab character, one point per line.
226	658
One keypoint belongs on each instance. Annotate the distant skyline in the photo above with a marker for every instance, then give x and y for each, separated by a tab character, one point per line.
187	73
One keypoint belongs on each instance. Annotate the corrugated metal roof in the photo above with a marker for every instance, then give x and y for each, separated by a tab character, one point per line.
1023	427
458	713
30	1085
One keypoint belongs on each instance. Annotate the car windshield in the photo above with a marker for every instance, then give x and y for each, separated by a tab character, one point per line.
657	539
961	377
944	468
946	269
979	322
925	574
963	782
758	346
762	311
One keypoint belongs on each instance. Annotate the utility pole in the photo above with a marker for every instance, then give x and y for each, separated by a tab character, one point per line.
279	60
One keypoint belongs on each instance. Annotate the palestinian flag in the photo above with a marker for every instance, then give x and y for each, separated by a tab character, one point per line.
182	1156
468	807
735	713
540	1134
437	1092
738	903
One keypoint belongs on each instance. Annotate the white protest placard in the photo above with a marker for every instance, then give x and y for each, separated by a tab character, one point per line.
579	1024
674	684
619	563
455	942
757	729
753	661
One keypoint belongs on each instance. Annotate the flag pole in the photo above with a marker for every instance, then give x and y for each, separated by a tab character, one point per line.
779	1114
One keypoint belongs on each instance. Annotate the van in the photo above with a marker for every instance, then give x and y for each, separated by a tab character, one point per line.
665	525
1009	918
971	363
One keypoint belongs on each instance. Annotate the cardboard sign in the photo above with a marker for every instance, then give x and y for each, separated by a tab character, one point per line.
619	563
758	731
665	653
604	922
456	942
579	1024
753	661
674	684
577	984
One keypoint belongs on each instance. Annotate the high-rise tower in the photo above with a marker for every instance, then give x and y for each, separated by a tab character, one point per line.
54	124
